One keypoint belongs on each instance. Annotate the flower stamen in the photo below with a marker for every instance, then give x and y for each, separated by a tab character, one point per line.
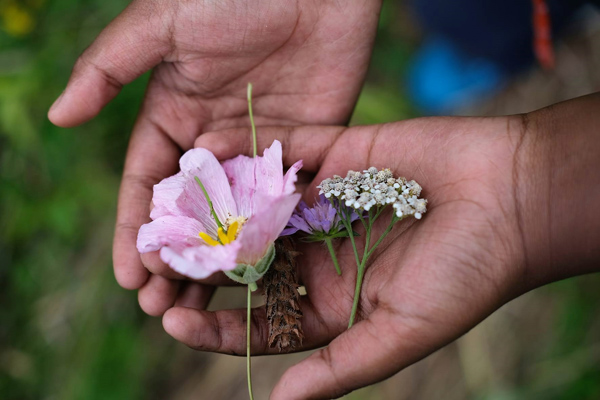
209	241
222	236
232	231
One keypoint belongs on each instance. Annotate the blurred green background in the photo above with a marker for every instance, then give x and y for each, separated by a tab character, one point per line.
68	331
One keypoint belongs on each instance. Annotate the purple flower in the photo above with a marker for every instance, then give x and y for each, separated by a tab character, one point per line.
321	220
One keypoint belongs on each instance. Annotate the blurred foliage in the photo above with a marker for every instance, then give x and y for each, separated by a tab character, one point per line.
67	331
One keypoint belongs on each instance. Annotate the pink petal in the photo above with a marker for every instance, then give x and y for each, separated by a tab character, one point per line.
202	163
168	230
199	262
269	172
248	176
290	178
264	227
240	172
165	196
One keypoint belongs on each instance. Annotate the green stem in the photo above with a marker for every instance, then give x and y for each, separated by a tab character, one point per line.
359	275
362	219
378	213
348	226
333	257
248	324
251	119
210	204
357	289
345	218
383	235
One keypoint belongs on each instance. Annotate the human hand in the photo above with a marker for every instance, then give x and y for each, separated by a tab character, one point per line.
307	60
484	241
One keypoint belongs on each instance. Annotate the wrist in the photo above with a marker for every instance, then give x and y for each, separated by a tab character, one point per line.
557	190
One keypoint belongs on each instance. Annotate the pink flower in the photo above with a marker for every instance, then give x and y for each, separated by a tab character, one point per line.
252	200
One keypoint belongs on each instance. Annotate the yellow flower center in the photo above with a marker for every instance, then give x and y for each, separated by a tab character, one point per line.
233	226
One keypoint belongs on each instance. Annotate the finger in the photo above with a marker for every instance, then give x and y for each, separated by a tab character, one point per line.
365	354
157	295
225	331
194	295
151	157
133	43
307	143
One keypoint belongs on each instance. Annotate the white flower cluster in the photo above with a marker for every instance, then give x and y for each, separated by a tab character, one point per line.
363	190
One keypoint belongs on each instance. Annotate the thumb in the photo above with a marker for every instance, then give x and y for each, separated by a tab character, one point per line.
372	350
133	43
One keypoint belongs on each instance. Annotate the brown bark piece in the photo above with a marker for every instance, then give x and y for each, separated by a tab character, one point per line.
282	298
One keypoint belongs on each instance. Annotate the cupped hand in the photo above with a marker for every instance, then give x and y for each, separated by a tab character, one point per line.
427	284
307	60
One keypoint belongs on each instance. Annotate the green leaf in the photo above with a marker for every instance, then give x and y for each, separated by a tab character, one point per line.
248	274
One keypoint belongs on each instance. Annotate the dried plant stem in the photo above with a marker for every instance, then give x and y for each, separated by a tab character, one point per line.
333	256
282	299
248	357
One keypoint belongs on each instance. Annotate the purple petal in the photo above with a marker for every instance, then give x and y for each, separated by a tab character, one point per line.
330	218
288	231
312	219
299	223
302	205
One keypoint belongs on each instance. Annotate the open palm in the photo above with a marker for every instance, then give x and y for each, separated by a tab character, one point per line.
307	61
428	283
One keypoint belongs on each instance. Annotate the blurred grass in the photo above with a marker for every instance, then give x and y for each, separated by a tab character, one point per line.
67	331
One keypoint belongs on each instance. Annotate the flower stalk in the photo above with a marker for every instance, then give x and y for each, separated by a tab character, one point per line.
252	119
333	256
248	358
252	285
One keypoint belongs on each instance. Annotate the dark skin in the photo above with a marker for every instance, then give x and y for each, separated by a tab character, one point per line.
514	202
505	216
306	59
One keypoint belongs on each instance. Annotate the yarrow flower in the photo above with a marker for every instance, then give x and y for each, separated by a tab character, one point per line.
211	217
372	187
368	193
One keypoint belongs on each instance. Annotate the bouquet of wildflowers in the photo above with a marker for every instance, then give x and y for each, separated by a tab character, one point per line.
226	217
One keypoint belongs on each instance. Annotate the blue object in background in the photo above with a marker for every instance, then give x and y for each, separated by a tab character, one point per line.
473	47
443	78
